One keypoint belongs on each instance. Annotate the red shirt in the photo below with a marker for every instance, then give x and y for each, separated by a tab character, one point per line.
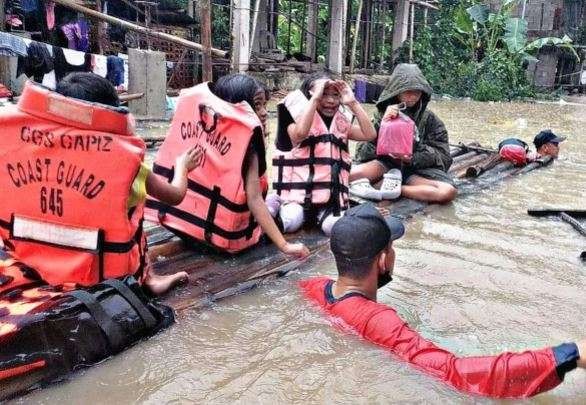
507	375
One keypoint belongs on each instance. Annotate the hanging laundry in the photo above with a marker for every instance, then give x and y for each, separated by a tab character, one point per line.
101	65
37	63
12	45
77	35
67	61
50	14
115	74
84	41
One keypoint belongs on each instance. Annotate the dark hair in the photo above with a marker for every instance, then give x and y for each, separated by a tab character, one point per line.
309	80
237	87
88	87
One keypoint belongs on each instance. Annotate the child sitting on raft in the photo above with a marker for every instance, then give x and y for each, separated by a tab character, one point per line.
90	181
232	178
312	163
93	88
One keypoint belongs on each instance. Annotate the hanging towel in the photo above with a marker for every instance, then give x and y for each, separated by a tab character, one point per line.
67	61
37	63
12	45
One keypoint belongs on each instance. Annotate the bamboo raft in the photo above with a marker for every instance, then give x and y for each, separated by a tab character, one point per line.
216	276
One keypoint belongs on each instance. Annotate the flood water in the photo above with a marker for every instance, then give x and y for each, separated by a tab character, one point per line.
478	276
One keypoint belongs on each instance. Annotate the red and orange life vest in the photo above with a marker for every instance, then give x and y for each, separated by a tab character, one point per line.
214	210
66	174
315	172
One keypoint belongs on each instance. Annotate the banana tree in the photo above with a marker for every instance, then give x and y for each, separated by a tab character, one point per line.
482	30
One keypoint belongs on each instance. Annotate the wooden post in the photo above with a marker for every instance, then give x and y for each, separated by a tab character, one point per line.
400	26
240	35
101	33
311	34
206	39
356	34
2	14
257	21
289	18
337	30
383	30
411	29
138	28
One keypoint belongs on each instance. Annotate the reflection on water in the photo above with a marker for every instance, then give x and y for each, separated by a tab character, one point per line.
477	276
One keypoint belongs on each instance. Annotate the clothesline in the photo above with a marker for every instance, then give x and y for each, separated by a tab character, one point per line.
47	64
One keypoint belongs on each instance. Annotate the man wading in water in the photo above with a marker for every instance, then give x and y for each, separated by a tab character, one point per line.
367	258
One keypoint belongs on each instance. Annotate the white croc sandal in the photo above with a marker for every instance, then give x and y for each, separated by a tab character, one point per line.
391	186
363	189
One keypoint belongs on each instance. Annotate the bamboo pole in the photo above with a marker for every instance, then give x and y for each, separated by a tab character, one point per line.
206	39
355	39
254	24
411	30
137	28
2	15
383	39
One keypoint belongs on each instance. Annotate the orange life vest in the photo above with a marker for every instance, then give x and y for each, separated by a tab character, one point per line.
315	172
66	172
214	210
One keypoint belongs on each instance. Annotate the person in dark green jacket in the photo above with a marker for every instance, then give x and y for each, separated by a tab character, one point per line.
425	175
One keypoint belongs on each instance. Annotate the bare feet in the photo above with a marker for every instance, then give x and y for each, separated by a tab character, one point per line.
159	285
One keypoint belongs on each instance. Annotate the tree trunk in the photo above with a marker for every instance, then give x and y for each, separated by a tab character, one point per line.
206	39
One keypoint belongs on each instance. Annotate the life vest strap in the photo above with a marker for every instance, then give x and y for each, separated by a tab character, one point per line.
110	328
324	138
303	185
326	161
200	189
200	222
139	306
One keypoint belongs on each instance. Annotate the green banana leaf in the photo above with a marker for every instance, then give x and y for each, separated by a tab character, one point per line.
463	23
565	42
515	35
479	13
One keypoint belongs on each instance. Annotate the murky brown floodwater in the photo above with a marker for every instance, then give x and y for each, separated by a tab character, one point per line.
477	276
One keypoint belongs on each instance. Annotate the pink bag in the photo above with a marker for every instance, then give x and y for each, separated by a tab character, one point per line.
396	136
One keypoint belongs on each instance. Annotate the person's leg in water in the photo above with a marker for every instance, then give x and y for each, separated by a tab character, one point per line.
160	284
422	189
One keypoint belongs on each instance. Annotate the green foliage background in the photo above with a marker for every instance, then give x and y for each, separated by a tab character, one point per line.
477	72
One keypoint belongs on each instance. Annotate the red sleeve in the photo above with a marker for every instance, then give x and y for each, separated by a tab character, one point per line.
507	375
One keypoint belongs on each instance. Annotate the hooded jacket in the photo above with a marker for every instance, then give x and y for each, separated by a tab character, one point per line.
432	150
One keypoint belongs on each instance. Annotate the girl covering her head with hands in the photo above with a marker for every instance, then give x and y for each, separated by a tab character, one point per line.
312	161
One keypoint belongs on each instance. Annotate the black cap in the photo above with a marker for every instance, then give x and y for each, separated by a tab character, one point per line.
547	136
361	234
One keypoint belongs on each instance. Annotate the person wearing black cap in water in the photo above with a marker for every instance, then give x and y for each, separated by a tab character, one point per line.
547	143
362	244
